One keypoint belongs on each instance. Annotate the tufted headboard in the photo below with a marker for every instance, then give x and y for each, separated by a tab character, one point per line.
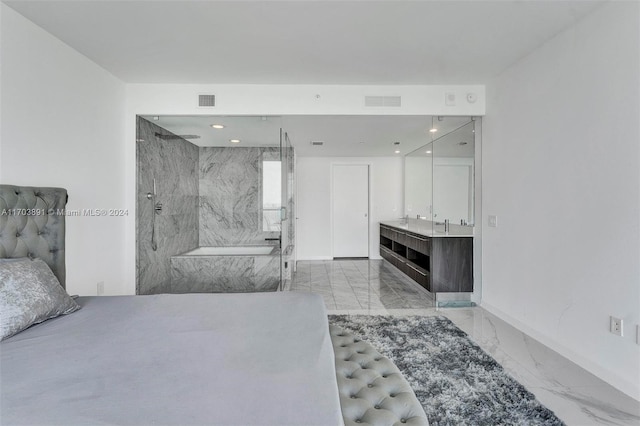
32	225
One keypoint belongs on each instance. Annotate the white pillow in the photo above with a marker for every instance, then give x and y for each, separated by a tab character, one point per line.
29	294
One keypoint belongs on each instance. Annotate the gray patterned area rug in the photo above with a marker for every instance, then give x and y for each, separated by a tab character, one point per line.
456	382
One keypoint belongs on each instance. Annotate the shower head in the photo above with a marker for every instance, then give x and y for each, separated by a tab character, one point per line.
172	136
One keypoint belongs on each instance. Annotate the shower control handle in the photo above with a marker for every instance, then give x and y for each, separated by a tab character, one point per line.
279	240
158	208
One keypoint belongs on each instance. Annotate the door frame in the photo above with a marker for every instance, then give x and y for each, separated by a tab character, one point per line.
369	170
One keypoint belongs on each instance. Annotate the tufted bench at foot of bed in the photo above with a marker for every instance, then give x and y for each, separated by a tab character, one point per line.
372	389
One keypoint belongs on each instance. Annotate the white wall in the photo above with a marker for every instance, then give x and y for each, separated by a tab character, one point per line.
63	125
314	201
561	164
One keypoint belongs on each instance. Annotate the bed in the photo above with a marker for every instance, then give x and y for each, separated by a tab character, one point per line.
175	359
165	359
192	359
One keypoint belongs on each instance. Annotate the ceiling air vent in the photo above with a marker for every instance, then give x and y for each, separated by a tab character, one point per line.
207	100
382	101
317	143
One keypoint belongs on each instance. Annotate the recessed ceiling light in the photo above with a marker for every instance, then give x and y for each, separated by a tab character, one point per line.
234	140
433	130
428	152
397	151
217	126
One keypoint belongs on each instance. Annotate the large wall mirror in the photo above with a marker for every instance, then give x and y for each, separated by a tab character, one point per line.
439	176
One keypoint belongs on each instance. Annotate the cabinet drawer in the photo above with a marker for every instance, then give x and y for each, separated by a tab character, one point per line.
421	277
419	244
401	237
385	252
398	262
392	257
386	232
398	236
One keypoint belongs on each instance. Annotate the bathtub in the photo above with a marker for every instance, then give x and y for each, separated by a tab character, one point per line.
232	269
231	251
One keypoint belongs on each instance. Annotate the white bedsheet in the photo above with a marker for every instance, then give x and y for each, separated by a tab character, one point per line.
194	359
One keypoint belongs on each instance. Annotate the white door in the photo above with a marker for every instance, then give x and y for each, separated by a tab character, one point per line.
350	210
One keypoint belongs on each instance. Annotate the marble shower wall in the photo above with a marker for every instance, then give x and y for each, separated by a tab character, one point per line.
174	165
230	210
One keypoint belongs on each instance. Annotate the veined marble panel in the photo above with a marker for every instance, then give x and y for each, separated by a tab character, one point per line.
224	274
174	166
230	209
266	271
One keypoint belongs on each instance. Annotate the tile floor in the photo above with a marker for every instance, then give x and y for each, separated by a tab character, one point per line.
373	287
360	284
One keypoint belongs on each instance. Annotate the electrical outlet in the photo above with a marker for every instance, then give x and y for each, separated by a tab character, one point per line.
100	288
615	326
493	221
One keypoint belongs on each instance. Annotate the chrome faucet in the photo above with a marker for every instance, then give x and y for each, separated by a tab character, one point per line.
446	225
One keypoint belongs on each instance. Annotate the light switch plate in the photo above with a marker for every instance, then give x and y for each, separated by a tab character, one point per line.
493	221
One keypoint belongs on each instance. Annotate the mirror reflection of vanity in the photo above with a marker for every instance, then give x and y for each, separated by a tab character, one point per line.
439	176
433	243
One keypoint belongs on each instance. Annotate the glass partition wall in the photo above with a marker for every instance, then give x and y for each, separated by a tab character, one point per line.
215	204
287	212
439	176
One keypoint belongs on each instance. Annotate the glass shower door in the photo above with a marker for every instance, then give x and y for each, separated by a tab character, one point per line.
287	219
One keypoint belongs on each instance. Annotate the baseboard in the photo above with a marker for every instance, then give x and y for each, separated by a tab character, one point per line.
314	258
330	258
617	382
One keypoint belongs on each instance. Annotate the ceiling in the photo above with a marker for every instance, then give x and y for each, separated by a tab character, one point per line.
304	42
458	143
342	135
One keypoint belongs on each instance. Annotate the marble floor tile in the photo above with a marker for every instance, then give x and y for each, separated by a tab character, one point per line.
369	287
360	284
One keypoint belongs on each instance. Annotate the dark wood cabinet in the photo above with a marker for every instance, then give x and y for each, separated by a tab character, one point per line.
439	264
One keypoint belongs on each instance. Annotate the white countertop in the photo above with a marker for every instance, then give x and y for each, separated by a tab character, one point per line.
429	229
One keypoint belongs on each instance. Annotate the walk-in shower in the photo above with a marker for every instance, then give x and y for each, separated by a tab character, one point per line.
215	204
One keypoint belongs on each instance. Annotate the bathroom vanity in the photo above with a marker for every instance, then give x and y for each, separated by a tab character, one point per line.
441	262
